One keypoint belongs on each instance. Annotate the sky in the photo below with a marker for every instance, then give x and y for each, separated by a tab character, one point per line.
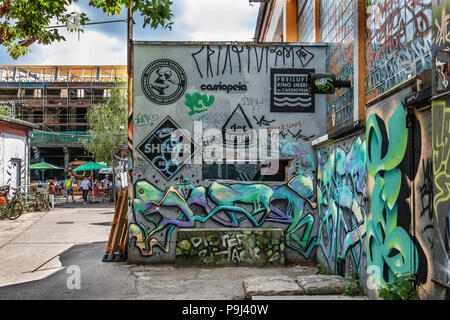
105	44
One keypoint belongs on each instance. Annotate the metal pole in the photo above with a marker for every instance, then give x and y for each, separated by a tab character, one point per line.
113	177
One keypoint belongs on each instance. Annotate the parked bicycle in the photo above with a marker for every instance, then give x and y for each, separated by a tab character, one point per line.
13	208
41	201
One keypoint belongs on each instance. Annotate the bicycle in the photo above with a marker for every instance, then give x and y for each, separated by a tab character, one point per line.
11	209
41	202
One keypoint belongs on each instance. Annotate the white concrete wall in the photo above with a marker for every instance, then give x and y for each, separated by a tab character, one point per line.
13	147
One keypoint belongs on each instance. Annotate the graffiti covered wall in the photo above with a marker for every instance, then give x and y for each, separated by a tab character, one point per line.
194	105
441	148
399	234
337	29
342	206
398	43
441	41
441	191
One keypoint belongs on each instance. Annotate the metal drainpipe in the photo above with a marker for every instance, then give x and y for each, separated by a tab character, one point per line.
113	177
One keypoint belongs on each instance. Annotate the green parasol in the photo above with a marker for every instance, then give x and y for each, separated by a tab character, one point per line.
90	166
44	166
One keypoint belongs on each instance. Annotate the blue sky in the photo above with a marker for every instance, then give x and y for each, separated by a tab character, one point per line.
194	20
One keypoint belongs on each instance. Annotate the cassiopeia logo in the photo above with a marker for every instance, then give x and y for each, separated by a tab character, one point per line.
224	87
163	81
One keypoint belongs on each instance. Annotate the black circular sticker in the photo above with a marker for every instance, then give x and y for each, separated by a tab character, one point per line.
163	81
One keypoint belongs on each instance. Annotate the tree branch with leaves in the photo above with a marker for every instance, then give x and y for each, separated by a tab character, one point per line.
108	125
23	22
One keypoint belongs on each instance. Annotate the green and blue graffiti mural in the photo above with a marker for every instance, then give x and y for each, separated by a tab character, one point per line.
341	199
226	204
390	248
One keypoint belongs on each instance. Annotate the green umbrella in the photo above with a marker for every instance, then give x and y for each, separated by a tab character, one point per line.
90	166
44	166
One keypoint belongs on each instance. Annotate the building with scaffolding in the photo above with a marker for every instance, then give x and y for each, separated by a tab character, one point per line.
57	98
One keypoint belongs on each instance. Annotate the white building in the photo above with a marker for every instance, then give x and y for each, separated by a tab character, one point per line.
15	151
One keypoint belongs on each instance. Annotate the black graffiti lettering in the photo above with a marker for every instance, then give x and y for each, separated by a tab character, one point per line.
208	62
227	59
196	62
262	121
238	52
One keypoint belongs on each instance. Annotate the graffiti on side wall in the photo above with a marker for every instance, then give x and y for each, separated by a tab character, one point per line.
441	177
441	155
222	248
341	198
157	213
441	41
398	42
391	249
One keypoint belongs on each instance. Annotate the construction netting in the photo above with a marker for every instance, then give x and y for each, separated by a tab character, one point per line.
59	137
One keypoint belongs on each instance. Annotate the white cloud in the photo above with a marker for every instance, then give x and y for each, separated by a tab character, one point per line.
199	20
93	48
218	20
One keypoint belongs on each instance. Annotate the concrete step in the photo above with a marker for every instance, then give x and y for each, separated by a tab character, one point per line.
307	285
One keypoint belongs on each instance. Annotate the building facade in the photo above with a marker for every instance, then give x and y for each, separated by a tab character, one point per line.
57	98
15	150
382	178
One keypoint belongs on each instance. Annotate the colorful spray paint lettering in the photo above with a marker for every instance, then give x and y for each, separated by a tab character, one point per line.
219	247
197	102
155	211
341	198
389	246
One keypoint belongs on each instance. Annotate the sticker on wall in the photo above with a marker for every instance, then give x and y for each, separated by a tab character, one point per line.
238	129
168	148
289	90
163	81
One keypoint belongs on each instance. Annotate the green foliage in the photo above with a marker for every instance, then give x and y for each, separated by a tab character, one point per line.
4	112
323	269
23	22
354	287
400	288
108	125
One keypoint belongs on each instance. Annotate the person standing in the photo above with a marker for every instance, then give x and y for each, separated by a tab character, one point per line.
106	184
52	192
85	187
68	186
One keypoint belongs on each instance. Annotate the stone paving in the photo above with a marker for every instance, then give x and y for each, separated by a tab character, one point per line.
38	250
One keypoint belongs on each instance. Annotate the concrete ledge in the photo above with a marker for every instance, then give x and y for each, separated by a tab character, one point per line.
230	246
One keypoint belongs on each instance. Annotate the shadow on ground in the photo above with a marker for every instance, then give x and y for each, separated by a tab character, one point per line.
98	280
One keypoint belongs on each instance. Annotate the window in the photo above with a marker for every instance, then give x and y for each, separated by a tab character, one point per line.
80	93
107	93
20	93
37	93
64	93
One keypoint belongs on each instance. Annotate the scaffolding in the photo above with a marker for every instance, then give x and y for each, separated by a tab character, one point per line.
57	99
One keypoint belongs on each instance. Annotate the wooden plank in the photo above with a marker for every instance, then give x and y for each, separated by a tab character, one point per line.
111	240
117	222
124	230
123	224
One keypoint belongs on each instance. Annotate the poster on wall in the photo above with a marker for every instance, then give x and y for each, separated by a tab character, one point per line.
289	90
